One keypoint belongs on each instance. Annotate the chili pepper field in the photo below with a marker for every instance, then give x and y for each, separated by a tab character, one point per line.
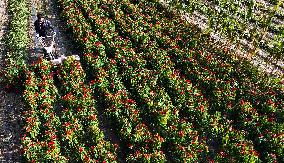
149	87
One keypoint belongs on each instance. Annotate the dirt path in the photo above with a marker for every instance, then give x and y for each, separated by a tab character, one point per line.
64	45
49	9
10	106
10	144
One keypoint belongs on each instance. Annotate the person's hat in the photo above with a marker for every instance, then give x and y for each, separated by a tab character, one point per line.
39	15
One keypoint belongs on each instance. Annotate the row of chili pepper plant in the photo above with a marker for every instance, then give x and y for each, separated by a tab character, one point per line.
217	88
154	101
272	101
142	145
106	37
81	110
42	124
157	54
263	96
195	158
16	42
61	124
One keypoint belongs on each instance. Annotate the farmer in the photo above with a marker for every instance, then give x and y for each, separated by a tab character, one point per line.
42	25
